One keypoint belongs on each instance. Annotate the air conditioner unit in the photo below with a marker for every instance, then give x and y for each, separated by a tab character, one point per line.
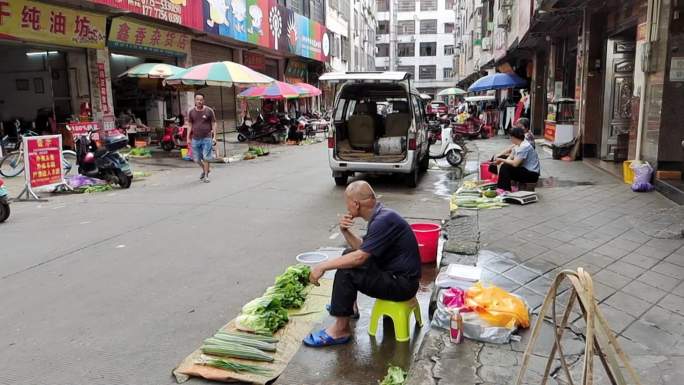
503	19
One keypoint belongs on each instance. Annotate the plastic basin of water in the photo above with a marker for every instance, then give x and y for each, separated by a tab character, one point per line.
312	258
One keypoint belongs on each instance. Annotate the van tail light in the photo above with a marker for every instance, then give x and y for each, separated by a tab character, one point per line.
412	144
331	141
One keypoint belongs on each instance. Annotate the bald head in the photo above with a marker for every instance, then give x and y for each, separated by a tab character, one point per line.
359	190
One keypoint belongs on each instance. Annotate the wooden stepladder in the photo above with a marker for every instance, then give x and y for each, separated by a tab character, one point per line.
600	340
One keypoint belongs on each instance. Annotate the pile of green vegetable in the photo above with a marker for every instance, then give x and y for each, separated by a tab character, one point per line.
140	152
471	198
238	345
97	188
268	313
395	376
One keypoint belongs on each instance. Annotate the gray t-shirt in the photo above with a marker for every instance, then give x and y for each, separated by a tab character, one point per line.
529	157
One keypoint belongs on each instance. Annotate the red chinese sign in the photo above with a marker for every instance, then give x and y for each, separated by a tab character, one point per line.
82	128
43	158
102	83
183	12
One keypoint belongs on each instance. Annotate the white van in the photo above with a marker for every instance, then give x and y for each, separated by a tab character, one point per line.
362	139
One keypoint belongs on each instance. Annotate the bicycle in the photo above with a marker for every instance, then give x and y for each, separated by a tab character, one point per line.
12	164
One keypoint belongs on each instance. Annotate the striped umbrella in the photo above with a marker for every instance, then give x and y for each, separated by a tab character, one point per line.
152	71
308	89
222	74
451	91
275	90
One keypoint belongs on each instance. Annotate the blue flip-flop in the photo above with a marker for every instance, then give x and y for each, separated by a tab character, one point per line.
356	315
321	338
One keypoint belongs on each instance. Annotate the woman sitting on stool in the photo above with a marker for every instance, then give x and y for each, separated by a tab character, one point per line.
522	165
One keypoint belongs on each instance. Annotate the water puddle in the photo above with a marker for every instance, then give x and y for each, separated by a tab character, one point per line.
552	182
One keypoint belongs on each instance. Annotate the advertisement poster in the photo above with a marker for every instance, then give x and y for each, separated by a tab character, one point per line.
82	128
267	24
43	160
183	12
46	23
133	34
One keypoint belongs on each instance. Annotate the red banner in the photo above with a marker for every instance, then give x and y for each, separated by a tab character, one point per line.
43	159
102	83
187	13
82	128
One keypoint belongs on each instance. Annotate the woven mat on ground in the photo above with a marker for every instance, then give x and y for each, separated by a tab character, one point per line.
291	335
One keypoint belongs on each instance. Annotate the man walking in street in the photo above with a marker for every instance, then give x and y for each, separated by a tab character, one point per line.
202	134
384	264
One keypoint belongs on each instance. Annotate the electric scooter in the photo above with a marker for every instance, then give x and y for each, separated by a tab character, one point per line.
174	135
4	202
104	162
447	148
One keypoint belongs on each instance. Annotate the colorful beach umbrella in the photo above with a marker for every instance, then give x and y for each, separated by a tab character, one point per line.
222	74
152	71
308	90
451	91
497	81
275	90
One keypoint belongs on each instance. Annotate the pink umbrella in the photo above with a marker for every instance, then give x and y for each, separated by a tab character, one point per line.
308	89
275	90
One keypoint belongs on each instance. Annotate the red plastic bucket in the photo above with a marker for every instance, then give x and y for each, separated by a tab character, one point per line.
485	174
427	235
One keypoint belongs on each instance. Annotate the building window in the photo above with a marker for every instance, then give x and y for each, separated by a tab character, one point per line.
428	5
427	72
409	69
383	50
357	65
345	9
448	73
382	5
345	48
406	49
381	68
449	4
448	50
406	6
406	27
428	49
383	27
448	27
334	4
318	11
428	27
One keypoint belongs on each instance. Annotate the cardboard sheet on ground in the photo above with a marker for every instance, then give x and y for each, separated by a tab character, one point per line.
291	335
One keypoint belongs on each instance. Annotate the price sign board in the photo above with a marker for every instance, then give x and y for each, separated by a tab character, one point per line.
82	128
43	161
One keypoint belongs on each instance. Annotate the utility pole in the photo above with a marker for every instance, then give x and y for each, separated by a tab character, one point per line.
393	54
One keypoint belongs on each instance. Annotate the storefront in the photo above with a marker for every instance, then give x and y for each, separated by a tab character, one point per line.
45	74
132	42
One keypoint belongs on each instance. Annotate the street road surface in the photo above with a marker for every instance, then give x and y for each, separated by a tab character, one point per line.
118	287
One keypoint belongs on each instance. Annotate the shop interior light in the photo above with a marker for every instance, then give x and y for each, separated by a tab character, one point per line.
120	56
41	53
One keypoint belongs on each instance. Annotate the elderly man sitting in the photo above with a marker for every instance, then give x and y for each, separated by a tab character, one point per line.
385	263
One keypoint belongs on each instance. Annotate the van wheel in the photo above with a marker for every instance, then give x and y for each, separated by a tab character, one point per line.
412	178
425	163
341	180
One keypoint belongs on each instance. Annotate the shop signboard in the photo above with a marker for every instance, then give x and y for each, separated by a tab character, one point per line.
295	72
46	23
254	61
43	160
82	128
187	13
269	25
102	84
132	34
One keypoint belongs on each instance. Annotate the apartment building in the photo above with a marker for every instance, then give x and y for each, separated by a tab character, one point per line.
417	37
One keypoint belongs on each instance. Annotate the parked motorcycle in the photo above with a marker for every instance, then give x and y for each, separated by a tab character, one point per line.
104	162
4	202
174	135
270	127
447	148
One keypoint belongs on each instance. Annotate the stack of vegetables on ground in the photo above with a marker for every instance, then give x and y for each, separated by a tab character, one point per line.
395	376
255	151
472	196
260	318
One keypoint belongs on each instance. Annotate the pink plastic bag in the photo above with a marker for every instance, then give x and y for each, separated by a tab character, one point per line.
453	298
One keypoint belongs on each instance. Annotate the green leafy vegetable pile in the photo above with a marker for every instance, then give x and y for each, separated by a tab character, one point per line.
263	315
395	376
141	152
290	286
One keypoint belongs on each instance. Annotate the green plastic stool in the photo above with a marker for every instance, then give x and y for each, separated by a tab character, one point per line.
399	312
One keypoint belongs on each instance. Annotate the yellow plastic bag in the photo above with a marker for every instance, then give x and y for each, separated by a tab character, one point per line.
497	306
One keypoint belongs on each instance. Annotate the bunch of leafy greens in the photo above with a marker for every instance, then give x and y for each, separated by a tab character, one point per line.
395	376
290	287
263	315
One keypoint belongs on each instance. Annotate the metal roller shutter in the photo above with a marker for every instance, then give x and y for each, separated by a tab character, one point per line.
207	53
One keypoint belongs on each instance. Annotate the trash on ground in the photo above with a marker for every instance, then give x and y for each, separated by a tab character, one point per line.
642	177
79	181
395	376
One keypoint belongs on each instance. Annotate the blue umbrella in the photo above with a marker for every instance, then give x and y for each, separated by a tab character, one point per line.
497	81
